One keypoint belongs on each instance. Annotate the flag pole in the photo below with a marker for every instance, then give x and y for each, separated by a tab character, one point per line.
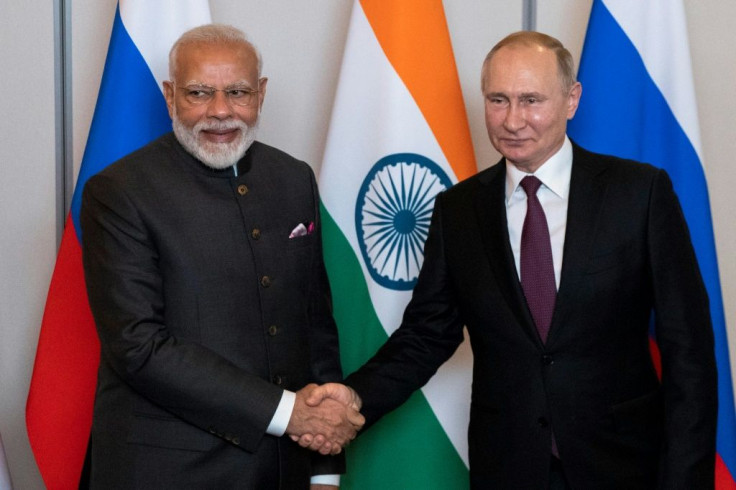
6	483
63	112
529	15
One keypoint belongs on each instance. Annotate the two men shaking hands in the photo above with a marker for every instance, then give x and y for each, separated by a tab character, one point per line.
325	418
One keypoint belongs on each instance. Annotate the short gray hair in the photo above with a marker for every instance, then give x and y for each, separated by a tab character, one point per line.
565	64
213	34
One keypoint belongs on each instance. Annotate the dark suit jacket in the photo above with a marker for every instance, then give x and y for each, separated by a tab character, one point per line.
206	311
627	253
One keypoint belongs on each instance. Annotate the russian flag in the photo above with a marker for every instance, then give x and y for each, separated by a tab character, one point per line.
130	112
639	103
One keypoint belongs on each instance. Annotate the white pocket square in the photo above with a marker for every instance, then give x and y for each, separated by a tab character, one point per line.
301	230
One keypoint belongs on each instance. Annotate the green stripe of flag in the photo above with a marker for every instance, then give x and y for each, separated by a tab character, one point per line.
398	452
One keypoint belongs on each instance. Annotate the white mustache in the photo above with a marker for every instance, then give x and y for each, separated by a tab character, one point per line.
219	126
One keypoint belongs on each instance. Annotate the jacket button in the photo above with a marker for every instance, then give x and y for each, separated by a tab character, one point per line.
242	189
255	234
277	380
547	360
236	440
542	422
273	330
265	281
212	430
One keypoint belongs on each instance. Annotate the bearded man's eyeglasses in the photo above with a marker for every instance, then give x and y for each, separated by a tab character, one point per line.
203	94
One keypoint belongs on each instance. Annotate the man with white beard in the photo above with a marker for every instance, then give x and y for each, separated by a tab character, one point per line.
203	260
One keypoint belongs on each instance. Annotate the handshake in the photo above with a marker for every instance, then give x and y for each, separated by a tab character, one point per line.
325	418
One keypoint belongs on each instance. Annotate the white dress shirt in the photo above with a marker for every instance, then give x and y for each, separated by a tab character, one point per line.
277	428
553	195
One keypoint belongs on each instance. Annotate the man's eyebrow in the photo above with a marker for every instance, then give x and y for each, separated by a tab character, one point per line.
237	83
536	95
241	83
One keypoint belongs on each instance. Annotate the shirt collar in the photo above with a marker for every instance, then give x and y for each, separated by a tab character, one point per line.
554	173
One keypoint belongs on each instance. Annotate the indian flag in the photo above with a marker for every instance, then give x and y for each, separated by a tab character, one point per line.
398	136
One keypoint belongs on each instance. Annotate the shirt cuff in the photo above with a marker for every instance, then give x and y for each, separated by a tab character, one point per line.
281	417
325	480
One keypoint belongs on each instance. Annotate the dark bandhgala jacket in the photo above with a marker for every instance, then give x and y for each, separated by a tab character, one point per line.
627	254
206	310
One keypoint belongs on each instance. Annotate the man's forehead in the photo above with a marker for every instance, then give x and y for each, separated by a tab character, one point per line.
205	56
519	62
523	53
215	50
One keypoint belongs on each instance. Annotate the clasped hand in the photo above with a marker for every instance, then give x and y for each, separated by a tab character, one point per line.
325	418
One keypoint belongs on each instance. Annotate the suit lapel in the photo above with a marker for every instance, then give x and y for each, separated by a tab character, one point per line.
587	192
490	209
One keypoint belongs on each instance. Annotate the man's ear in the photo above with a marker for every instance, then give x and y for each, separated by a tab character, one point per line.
169	96
262	83
573	99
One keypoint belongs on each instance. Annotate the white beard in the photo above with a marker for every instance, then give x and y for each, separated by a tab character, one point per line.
215	155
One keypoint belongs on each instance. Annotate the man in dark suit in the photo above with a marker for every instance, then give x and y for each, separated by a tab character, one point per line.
565	393
203	261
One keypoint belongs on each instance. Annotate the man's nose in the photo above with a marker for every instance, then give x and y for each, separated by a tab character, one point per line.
514	119
219	106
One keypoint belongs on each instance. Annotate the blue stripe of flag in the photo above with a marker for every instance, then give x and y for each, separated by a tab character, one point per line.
130	111
623	113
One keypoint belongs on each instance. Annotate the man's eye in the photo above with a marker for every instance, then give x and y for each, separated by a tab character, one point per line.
238	93
198	93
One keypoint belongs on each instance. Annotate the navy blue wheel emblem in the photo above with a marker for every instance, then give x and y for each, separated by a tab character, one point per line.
392	216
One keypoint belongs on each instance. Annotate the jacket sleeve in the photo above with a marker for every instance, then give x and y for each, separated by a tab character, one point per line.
685	338
430	332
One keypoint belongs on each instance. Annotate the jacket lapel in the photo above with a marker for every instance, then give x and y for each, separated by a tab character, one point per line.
490	209
587	192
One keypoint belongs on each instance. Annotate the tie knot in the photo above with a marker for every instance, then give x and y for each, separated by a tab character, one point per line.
530	184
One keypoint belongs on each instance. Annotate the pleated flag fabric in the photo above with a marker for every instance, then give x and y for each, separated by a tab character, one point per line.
130	112
398	136
639	103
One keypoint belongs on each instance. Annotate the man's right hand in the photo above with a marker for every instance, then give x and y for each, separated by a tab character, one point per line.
325	418
335	391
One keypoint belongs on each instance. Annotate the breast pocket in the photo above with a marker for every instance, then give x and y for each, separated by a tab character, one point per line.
609	259
300	242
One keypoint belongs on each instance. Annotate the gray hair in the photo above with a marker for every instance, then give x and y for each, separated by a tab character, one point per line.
565	64
213	34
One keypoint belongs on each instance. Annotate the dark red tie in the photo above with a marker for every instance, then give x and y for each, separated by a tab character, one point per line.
537	269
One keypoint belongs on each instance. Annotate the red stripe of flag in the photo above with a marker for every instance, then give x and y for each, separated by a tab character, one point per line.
60	401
